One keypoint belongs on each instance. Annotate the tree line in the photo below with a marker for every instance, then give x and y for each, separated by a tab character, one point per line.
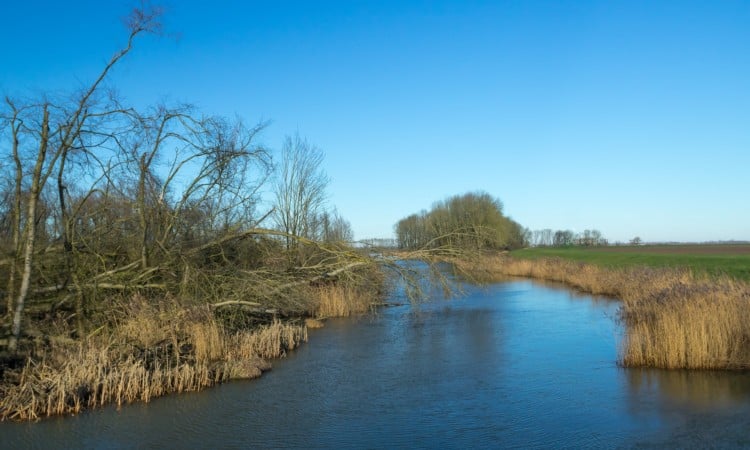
474	221
565	238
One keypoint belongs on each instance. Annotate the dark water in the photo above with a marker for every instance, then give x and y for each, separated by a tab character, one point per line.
515	365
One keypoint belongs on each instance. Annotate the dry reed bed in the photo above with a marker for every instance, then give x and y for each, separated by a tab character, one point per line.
342	301
152	352
673	318
157	349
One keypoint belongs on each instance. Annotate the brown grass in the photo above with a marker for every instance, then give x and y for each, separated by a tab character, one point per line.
698	325
155	347
341	301
152	351
311	323
673	319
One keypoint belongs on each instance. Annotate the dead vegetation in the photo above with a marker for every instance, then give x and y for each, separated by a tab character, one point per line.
151	351
145	346
672	318
340	301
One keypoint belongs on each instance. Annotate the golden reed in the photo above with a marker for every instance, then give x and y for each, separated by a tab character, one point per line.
342	301
153	351
160	348
673	319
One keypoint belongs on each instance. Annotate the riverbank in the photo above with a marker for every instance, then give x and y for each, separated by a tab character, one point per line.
431	376
672	317
153	348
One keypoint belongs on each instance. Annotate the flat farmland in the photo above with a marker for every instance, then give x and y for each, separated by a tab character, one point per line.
713	259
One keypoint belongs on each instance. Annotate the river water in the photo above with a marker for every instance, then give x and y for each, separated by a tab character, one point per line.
516	364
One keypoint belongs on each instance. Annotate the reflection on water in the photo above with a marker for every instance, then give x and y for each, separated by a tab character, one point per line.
516	364
706	390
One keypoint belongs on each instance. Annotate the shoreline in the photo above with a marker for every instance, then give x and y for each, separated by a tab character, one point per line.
158	348
673	318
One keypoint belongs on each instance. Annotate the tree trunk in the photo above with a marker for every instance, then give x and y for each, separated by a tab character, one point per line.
142	211
36	189
15	217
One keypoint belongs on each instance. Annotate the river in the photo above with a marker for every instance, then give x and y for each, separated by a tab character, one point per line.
517	364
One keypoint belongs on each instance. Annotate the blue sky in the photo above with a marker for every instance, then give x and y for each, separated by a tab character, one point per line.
630	117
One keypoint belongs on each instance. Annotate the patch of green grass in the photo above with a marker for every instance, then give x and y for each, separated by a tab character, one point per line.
731	263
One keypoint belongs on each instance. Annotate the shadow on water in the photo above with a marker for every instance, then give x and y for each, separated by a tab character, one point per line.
513	364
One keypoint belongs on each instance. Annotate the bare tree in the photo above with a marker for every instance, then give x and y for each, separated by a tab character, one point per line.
51	141
14	202
563	238
300	190
334	228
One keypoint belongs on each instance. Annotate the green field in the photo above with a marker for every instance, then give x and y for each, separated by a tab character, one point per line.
728	259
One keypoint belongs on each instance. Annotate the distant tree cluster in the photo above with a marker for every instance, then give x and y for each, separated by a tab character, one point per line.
565	238
474	221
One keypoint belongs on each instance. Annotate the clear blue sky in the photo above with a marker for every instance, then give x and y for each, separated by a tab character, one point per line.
631	117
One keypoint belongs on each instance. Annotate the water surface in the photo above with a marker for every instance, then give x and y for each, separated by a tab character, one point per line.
517	364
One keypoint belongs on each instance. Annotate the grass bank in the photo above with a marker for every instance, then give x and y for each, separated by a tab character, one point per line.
673	318
722	259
